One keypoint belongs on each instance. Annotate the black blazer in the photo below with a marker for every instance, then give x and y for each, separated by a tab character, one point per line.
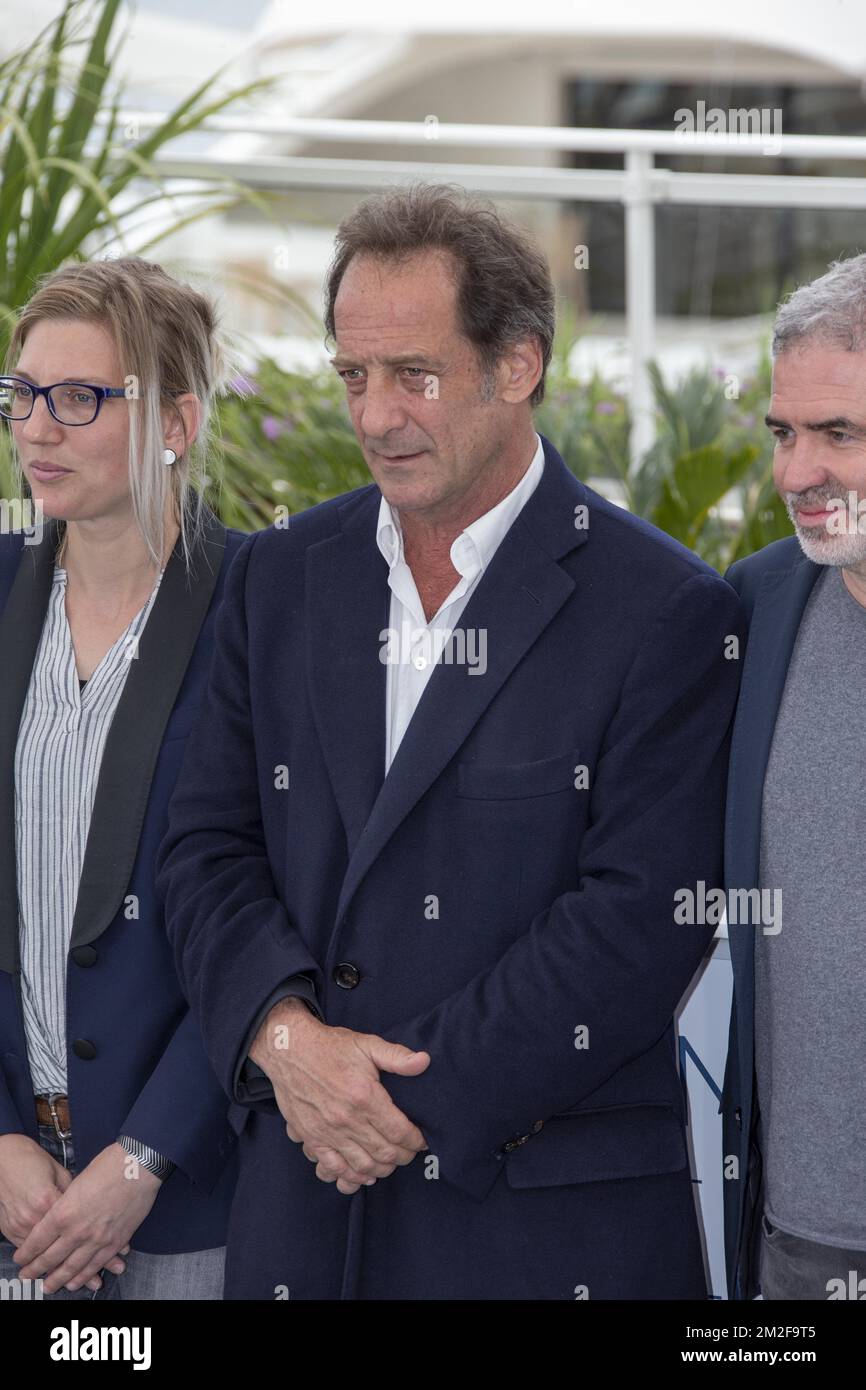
136	1063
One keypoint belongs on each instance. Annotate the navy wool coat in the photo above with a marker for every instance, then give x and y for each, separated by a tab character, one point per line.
488	901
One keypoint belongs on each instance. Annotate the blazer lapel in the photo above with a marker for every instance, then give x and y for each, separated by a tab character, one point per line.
519	594
134	738
20	632
776	617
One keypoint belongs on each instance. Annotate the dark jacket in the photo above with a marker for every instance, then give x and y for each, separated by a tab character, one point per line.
481	903
774	586
136	1064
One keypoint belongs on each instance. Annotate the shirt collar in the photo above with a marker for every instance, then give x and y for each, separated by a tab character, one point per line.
475	546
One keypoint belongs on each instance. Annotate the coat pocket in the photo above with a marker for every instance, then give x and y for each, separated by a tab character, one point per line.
624	1141
498	782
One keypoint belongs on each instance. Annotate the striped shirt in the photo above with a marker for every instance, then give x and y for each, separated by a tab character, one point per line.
61	739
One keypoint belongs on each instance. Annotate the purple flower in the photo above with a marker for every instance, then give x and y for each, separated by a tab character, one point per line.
605	408
244	385
271	427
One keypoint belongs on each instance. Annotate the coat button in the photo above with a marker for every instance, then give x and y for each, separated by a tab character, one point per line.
84	955
84	1049
346	975
515	1143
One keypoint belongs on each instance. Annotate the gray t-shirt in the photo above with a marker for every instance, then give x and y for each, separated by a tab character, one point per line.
810	978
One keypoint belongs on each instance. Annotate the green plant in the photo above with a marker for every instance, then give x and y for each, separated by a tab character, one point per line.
70	176
706	479
284	440
587	420
71	185
75	183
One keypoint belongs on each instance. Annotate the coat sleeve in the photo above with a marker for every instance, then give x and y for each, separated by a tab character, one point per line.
10	1120
233	942
250	1082
608	956
181	1111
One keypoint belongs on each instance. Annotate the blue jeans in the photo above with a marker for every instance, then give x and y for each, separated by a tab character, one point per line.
196	1274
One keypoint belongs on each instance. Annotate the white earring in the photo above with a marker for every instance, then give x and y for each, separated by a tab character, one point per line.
169	456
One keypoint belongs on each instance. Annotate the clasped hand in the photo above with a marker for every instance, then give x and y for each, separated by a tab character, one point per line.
66	1228
326	1085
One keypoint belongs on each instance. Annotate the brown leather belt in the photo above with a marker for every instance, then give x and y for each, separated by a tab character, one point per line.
54	1111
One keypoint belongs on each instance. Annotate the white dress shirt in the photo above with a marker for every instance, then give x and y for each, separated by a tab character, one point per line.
412	646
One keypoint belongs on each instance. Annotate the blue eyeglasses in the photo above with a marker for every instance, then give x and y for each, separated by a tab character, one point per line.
70	402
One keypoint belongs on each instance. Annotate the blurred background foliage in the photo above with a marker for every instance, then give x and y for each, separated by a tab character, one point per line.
284	440
74	183
707	479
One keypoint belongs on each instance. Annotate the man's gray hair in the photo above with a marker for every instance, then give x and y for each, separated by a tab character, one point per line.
832	309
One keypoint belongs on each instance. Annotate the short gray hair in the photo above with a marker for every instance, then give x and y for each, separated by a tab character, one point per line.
832	309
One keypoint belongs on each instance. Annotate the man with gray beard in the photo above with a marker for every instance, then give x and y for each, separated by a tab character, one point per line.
795	1092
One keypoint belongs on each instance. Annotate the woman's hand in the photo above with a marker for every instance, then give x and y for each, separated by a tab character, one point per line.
31	1181
95	1217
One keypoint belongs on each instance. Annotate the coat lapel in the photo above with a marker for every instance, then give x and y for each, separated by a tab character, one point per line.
348	606
20	631
134	738
775	621
518	595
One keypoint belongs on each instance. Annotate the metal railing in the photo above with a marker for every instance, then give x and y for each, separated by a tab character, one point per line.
639	187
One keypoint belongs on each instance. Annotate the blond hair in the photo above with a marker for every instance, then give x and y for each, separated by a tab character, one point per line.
168	343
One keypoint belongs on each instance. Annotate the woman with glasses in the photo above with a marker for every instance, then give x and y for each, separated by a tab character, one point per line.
116	1159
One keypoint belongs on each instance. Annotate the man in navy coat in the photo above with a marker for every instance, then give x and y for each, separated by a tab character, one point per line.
465	739
794	1093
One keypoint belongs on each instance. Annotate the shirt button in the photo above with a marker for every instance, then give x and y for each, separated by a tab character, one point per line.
419	662
346	975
